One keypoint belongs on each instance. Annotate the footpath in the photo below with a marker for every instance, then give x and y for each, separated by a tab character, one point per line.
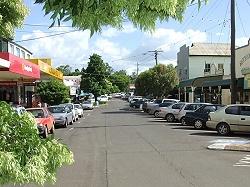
230	145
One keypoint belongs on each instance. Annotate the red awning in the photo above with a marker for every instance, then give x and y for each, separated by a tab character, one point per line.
21	66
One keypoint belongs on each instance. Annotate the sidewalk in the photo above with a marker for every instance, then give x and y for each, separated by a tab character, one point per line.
230	145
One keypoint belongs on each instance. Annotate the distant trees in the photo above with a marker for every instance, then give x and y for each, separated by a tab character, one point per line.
157	81
99	78
67	70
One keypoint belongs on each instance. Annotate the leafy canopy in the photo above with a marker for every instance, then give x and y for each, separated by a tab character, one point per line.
12	14
95	77
157	81
121	80
53	92
94	14
24	156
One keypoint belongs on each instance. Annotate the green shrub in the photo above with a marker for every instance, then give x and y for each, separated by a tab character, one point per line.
24	156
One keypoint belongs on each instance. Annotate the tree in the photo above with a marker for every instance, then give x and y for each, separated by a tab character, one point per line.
94	78
12	14
53	92
95	14
65	69
157	81
121	80
25	157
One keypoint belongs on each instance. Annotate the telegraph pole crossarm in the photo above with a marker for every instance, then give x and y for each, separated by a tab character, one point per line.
156	55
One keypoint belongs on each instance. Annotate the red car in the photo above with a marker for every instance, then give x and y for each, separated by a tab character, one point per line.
45	121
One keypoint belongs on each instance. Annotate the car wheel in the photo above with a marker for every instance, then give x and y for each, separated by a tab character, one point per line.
169	117
198	124
223	129
45	133
66	123
156	114
74	119
183	121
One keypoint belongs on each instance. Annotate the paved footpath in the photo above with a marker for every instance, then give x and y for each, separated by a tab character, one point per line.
115	147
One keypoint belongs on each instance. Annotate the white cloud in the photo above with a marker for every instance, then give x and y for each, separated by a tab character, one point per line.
220	34
112	32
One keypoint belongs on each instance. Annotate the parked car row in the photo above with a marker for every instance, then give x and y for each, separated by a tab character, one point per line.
59	115
225	119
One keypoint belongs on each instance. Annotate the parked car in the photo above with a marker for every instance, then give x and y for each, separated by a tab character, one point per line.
188	107
156	102
87	105
156	109
44	119
79	110
71	106
231	118
170	113
62	115
199	117
137	103
19	109
102	99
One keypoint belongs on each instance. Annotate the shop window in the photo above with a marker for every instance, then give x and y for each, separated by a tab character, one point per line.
3	46
22	54
17	52
220	66
12	49
207	67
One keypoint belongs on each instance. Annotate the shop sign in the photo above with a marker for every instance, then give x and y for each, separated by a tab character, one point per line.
244	64
8	83
21	66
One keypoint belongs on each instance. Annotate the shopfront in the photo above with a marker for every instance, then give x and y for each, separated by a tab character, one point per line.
17	78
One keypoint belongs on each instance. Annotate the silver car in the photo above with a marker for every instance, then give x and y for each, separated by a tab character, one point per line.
74	110
87	105
62	115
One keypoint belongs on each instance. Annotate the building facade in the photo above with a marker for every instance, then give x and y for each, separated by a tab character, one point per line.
200	68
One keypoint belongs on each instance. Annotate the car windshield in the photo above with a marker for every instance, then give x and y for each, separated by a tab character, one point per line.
87	102
56	109
158	101
37	113
77	106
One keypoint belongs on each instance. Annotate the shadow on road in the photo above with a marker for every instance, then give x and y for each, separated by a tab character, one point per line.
214	133
184	128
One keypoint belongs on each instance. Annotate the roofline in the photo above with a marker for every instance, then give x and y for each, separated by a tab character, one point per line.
212	55
10	41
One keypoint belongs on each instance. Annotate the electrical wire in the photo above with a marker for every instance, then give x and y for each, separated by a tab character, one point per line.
242	26
48	36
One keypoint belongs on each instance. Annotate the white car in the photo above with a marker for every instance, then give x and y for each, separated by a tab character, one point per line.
79	110
71	106
87	105
231	118
188	107
170	113
102	99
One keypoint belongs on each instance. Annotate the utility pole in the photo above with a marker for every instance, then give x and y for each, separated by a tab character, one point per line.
233	77
156	55
137	69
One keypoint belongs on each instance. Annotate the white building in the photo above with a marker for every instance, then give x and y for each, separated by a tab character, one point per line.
203	59
73	82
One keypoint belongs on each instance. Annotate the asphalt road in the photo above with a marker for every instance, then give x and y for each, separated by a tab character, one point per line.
116	147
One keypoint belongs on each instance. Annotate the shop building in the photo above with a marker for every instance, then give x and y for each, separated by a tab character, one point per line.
73	82
204	73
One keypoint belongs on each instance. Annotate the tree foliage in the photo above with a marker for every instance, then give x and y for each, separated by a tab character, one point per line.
53	92
24	156
121	80
67	70
95	77
94	14
157	81
12	14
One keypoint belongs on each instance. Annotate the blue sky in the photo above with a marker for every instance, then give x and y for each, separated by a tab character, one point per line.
123	49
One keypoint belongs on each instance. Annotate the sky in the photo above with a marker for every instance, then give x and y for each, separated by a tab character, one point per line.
123	49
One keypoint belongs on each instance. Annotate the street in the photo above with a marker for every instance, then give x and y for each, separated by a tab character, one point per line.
116	147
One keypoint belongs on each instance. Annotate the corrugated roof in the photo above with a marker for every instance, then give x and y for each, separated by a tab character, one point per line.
210	49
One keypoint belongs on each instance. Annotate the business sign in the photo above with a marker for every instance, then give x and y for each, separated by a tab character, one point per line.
245	64
21	66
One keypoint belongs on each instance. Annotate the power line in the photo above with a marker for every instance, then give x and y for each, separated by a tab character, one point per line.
242	26
41	25
156	55
52	35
